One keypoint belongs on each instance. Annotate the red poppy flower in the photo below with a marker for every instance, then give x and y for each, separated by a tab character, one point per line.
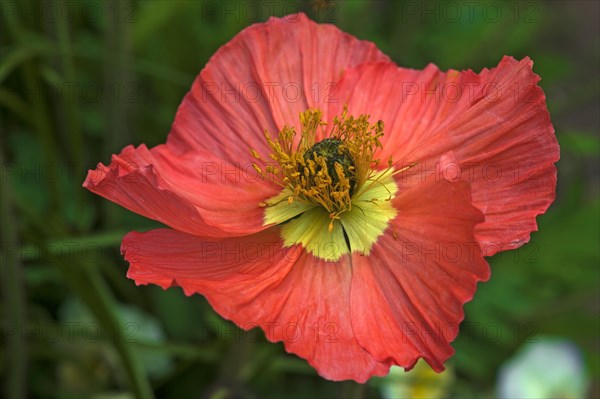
341	203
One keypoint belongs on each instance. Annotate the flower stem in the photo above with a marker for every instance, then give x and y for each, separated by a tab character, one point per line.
13	289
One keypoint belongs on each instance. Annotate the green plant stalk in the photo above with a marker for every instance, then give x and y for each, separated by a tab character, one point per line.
13	288
84	281
41	124
92	52
116	40
91	288
39	119
15	56
70	105
75	244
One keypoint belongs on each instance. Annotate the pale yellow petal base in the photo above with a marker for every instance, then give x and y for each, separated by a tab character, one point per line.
368	218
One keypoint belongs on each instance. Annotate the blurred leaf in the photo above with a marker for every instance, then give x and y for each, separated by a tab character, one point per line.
188	322
542	285
136	326
141	326
156	17
579	143
28	172
15	57
552	67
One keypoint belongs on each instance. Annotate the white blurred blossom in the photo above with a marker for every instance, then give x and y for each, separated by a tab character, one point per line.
549	368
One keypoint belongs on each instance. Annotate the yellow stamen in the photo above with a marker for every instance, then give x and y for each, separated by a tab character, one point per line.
308	176
334	182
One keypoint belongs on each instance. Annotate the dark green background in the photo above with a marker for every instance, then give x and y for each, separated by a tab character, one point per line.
82	79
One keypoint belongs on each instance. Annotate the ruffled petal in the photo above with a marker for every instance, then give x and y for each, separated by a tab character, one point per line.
262	79
412	103
253	281
193	192
494	124
511	163
407	297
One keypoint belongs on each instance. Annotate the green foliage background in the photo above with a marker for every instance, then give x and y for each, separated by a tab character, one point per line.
81	79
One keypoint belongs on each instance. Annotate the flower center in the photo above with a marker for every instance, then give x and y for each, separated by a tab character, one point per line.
334	153
334	200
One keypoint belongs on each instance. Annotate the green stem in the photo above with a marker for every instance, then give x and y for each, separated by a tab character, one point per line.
75	244
116	106
90	287
208	354
37	45
41	124
107	311
13	289
13	57
68	115
70	104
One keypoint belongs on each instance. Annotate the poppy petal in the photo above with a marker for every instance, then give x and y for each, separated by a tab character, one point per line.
253	281
407	297
512	164
495	124
192	192
262	79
